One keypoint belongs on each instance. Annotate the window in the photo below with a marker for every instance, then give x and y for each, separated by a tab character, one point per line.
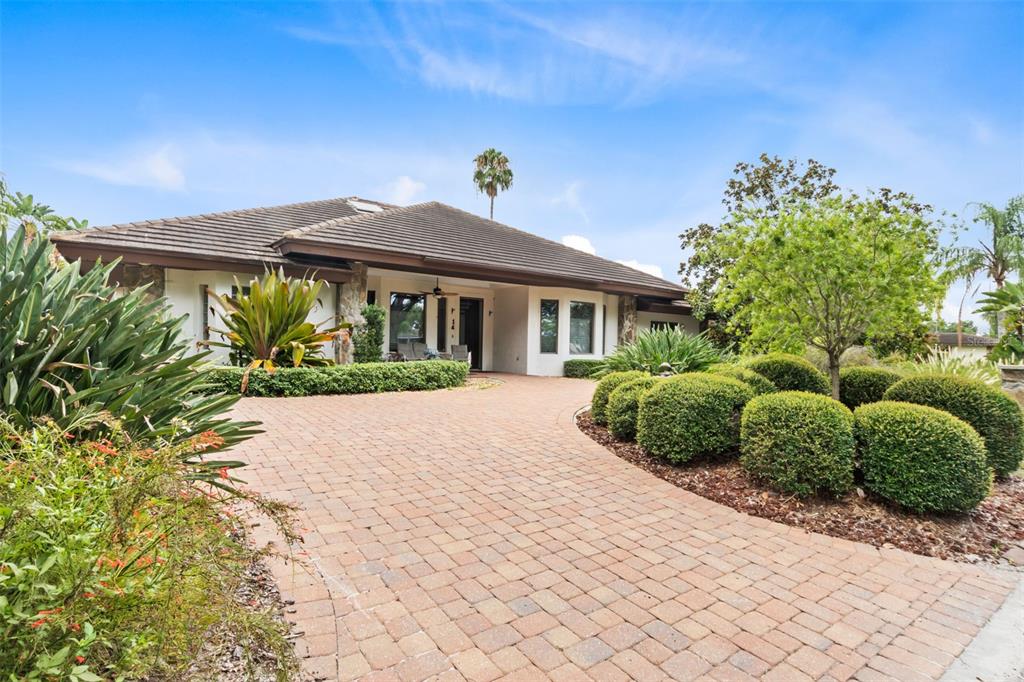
548	326
581	328
371	297
663	324
408	320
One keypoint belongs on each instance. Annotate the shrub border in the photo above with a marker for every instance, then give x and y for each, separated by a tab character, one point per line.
368	377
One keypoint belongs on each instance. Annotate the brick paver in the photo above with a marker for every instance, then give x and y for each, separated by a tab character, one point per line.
476	534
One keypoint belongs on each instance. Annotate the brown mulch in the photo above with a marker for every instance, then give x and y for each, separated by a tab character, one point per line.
985	534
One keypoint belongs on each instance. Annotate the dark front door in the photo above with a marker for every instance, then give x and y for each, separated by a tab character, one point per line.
471	329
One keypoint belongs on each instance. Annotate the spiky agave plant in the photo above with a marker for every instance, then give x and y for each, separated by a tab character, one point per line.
270	326
75	351
948	361
666	346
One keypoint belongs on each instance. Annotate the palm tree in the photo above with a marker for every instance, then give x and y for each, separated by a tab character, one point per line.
1004	254
492	174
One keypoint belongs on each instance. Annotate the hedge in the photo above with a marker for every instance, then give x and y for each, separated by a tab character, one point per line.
607	384
691	415
860	385
789	373
758	383
369	377
623	404
580	369
922	458
994	415
799	443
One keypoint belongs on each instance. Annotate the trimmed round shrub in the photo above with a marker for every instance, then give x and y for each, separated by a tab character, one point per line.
691	415
758	383
922	458
799	443
860	385
623	404
994	415
790	373
604	388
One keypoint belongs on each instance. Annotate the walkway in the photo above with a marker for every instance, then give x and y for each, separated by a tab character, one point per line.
476	534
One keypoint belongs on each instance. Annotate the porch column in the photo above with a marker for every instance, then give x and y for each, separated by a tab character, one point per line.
135	276
627	319
348	307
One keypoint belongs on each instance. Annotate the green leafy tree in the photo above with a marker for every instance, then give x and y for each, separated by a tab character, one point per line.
492	174
22	210
765	186
826	273
960	326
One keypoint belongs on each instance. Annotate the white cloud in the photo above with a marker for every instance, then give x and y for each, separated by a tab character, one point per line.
404	189
570	198
643	267
159	169
575	241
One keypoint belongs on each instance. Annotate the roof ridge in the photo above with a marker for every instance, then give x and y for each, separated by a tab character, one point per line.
306	229
216	214
360	217
560	244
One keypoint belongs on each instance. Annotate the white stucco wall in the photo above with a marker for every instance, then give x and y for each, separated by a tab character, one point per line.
183	289
551	364
511	327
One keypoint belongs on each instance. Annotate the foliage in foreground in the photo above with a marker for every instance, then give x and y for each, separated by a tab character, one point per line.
788	372
114	562
994	415
74	348
922	458
368	337
623	404
669	346
370	377
269	326
692	415
581	368
604	388
860	385
800	443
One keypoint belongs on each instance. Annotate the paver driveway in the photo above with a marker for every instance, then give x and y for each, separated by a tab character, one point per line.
477	534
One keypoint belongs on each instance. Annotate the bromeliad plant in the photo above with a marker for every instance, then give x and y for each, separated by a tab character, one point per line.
72	348
269	326
666	346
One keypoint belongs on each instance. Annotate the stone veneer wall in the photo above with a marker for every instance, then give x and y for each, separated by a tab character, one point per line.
627	319
348	306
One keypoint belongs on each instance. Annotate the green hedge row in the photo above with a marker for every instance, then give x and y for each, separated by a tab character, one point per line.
370	377
581	369
789	372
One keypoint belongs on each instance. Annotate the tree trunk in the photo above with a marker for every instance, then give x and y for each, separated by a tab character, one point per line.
492	207
833	373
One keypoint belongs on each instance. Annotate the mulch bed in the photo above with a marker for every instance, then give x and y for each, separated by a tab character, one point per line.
986	534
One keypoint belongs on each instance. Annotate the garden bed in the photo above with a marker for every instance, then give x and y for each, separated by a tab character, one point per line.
985	534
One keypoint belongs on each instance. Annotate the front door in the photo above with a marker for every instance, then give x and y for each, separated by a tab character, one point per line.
471	329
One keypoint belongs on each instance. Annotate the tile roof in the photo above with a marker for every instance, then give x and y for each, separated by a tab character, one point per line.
431	232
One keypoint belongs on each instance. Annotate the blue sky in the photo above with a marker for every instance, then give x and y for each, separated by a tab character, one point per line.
622	121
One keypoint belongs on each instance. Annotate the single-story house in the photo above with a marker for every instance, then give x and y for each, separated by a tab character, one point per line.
976	346
520	303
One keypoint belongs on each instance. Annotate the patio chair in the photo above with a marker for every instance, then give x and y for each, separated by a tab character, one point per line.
419	351
461	352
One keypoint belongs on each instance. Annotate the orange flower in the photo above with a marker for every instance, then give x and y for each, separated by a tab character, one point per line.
75	627
79	659
38	624
223	471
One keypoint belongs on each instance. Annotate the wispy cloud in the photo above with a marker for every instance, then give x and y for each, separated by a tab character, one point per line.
157	168
577	54
570	198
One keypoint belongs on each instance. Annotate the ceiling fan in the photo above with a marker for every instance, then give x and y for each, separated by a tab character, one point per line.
438	291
